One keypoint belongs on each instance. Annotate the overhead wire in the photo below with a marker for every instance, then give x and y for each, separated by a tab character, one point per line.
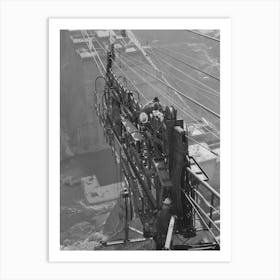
188	76
192	85
84	33
164	97
170	48
96	52
145	80
191	138
188	83
129	79
164	79
180	93
138	45
173	102
173	51
175	44
181	53
132	83
181	109
189	65
203	35
195	118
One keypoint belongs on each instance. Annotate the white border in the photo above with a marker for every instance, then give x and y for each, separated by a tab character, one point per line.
55	254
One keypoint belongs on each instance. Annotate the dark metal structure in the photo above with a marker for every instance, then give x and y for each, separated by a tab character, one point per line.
152	149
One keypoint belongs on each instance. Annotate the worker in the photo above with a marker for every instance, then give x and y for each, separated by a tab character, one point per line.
162	223
123	33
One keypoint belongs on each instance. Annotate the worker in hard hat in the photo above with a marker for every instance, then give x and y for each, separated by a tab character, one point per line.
162	223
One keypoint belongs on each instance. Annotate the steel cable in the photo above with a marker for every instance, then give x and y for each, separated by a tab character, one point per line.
180	93
190	77
189	65
185	82
203	35
172	101
159	93
92	55
123	73
206	148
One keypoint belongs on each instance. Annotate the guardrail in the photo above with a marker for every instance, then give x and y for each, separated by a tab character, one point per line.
206	204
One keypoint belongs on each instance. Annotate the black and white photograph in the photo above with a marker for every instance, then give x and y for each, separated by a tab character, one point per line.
140	139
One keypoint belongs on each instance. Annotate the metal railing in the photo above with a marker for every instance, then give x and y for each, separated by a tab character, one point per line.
206	204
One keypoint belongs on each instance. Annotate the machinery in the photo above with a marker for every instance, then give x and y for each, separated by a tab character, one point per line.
152	148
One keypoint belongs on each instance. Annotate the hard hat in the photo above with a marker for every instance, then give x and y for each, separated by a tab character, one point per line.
167	201
143	117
